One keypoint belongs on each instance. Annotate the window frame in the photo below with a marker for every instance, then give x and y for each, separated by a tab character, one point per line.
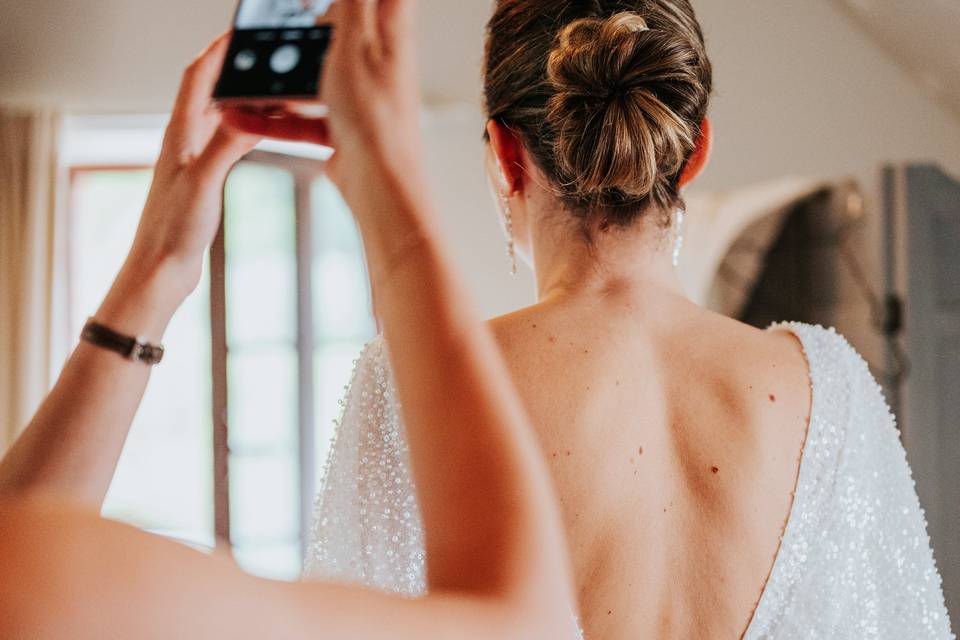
305	171
74	171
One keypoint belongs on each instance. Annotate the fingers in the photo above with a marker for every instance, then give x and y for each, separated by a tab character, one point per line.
224	150
286	127
385	25
196	88
356	24
396	19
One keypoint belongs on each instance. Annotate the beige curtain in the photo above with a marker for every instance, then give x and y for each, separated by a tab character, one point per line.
30	236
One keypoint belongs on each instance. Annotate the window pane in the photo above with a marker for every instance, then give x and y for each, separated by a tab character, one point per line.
264	508
342	308
263	399
163	482
333	223
276	561
105	210
341	298
261	258
262	361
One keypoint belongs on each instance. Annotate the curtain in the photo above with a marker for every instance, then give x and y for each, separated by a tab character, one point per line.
31	252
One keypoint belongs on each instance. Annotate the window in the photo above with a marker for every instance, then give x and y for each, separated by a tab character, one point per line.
297	313
267	342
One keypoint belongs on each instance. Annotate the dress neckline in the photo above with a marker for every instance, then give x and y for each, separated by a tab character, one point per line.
797	331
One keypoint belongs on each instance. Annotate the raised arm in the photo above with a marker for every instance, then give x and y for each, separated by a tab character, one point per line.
483	491
496	562
70	449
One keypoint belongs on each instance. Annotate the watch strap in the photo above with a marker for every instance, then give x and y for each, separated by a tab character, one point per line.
136	349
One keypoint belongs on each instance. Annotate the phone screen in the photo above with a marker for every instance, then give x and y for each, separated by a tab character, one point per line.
277	50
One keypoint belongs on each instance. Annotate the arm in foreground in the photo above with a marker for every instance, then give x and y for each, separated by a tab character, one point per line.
489	513
71	574
70	449
496	565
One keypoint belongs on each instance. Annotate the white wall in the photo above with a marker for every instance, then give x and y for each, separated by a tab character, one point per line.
102	55
455	156
800	91
122	55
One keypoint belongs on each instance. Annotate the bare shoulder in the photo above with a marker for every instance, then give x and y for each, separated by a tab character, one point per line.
753	372
769	365
518	327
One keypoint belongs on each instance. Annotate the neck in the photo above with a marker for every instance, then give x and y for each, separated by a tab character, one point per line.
634	262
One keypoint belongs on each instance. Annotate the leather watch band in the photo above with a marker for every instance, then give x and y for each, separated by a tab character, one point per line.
136	349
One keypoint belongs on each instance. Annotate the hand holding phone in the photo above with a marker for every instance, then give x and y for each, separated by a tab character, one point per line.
276	53
371	86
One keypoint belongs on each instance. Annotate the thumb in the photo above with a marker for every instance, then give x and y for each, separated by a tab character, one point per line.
224	150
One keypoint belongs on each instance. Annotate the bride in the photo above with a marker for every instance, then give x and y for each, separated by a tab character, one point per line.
717	481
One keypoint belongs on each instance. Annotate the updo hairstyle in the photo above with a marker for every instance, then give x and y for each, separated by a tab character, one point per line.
608	98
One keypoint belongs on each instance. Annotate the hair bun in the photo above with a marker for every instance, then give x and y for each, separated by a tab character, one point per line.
615	133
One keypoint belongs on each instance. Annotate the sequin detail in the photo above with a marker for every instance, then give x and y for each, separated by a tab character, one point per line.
367	528
855	560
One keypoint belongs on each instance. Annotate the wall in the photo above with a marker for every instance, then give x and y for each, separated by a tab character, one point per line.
93	55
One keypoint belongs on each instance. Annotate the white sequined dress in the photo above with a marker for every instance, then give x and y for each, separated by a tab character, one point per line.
855	560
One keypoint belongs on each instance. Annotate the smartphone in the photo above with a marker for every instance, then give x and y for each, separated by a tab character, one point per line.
276	53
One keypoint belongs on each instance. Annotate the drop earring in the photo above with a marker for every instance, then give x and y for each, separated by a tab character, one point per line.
508	224
678	221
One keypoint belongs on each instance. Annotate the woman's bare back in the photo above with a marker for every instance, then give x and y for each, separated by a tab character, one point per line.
675	439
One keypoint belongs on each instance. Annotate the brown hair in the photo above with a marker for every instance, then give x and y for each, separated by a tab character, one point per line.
608	97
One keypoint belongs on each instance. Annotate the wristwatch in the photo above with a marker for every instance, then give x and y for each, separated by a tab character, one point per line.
136	349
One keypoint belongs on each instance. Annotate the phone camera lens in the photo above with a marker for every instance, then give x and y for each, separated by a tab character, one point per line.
285	59
245	60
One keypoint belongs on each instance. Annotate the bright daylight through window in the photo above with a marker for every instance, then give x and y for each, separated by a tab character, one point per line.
166	482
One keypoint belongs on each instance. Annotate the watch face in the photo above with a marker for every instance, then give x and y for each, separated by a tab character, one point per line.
277	50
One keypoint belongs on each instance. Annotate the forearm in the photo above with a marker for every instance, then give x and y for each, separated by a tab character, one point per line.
486	505
485	511
71	447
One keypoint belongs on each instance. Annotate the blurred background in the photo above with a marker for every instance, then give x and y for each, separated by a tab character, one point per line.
832	198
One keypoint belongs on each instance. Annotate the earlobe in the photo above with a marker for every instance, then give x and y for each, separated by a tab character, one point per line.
701	155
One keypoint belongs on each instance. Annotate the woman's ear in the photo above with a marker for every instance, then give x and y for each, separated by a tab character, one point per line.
508	153
701	155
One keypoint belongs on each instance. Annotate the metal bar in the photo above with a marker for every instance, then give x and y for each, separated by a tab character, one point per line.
76	169
305	171
218	333
303	184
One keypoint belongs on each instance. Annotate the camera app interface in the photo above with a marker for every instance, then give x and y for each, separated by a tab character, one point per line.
281	14
277	49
